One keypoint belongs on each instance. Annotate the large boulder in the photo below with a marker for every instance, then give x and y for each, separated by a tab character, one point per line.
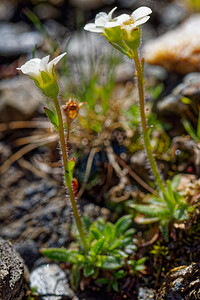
12	283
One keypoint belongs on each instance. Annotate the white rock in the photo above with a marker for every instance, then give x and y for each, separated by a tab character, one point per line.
177	50
51	279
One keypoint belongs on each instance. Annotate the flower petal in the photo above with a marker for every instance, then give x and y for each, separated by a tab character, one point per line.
140	13
141	21
112	24
123	18
101	19
54	62
111	12
93	28
43	63
31	67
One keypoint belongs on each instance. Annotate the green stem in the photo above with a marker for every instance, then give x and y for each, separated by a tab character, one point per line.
145	133
67	183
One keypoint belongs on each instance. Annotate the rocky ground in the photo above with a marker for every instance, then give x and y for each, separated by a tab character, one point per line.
35	211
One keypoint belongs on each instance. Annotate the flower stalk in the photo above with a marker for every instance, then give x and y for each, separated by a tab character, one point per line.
64	148
145	130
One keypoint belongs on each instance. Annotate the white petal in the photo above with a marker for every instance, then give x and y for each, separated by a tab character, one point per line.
111	12
123	18
101	19
141	21
112	24
140	13
55	61
31	67
43	63
93	28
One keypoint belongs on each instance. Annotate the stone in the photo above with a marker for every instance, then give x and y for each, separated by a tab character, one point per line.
12	283
172	104
7	10
19	99
145	293
181	283
177	50
50	279
18	39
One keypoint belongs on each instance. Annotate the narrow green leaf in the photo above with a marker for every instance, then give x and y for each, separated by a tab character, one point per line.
59	254
88	271
152	210
109	262
122	225
109	232
120	274
190	130
115	286
103	280
164	228
76	276
175	182
96	233
52	117
96	248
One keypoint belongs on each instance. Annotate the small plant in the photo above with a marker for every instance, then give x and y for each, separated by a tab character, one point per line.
124	34
172	206
110	248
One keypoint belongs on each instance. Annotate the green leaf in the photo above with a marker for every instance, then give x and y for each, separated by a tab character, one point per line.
59	254
122	225
76	276
52	117
109	262
152	210
186	100
119	253
115	244
96	248
190	130
164	228
96	233
108	232
103	280
181	214
175	182
115	286
171	193
120	274
88	271
69	170
129	232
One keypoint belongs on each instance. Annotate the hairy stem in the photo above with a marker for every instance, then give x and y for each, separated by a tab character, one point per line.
68	183
145	133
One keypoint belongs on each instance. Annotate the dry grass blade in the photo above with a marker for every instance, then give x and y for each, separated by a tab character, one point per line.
20	153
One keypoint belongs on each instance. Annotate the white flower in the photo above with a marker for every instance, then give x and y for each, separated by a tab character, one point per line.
34	66
138	17
102	21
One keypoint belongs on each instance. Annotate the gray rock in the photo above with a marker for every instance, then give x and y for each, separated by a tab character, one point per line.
17	39
12	284
7	9
50	280
145	293
170	105
172	14
181	283
19	99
